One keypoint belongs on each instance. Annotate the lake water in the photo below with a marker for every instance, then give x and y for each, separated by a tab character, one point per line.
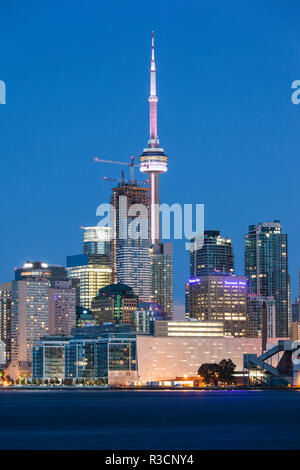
149	419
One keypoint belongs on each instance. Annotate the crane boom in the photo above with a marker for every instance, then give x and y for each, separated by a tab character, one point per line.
101	160
131	164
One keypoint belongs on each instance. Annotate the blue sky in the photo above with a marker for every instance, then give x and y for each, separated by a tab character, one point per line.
77	76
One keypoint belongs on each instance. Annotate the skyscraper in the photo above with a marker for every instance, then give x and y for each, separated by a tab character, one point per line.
266	268
5	316
219	299
92	275
92	268
162	276
43	301
153	162
261	317
215	256
62	308
29	317
96	241
131	257
295	310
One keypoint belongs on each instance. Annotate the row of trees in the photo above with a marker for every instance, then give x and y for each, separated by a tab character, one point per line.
212	374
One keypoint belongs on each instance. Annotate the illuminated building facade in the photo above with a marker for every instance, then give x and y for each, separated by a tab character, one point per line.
162	276
43	301
114	303
38	269
189	328
221	299
62	308
126	358
29	317
48	358
84	318
266	267
97	241
215	256
109	359
261	317
146	316
93	275
165	358
295	331
5	316
130	255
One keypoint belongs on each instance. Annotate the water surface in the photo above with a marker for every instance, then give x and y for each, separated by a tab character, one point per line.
149	419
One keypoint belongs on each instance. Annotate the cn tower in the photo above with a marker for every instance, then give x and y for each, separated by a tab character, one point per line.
153	160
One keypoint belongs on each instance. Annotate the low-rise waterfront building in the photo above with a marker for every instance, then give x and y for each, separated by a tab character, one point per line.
108	359
164	358
125	358
48	358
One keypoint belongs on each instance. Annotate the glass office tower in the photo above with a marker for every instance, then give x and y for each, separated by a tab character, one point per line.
96	241
215	256
93	275
162	276
93	267
266	268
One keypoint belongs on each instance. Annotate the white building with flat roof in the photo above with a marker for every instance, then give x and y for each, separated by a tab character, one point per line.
165	358
191	327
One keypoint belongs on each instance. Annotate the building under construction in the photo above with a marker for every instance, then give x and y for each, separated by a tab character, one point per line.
130	253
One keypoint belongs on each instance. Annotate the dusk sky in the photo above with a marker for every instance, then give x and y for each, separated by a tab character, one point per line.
77	77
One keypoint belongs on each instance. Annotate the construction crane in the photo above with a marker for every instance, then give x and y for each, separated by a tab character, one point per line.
115	180
131	164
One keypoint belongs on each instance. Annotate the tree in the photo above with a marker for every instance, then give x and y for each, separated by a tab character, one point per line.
226	369
209	373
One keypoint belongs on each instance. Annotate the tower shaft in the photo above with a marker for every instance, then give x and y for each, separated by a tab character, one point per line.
154	207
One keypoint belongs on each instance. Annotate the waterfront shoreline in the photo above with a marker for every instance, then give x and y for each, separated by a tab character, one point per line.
148	389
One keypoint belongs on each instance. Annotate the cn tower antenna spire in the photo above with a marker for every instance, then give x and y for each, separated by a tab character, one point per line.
153	100
153	46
